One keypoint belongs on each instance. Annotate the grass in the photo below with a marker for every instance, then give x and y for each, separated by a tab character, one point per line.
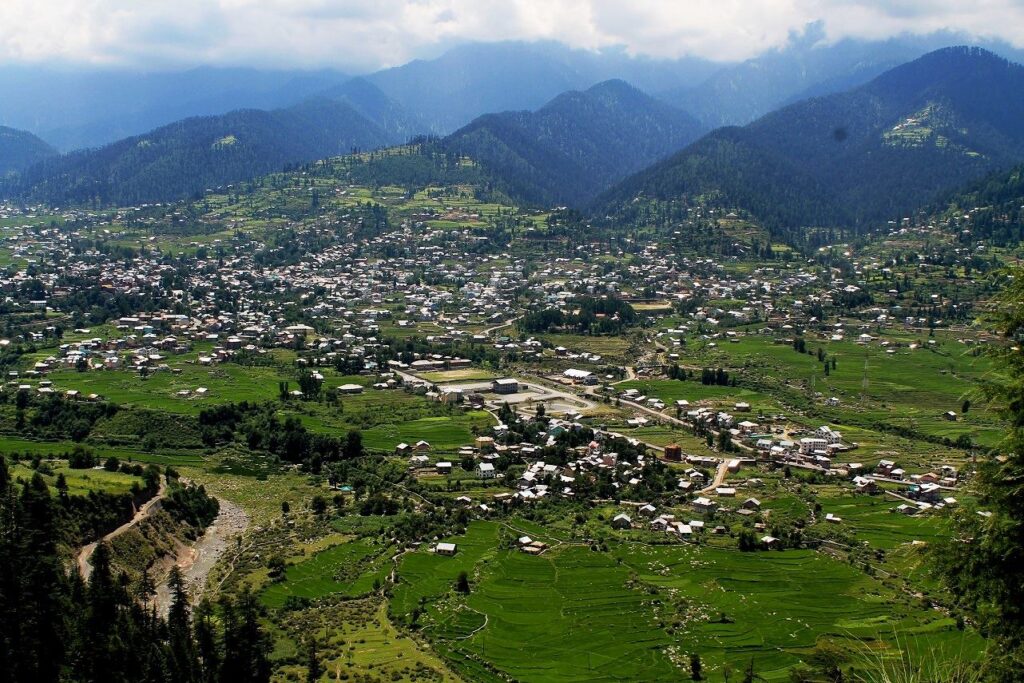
347	569
81	482
638	611
444	433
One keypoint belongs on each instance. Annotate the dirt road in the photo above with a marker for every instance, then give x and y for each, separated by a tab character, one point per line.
148	508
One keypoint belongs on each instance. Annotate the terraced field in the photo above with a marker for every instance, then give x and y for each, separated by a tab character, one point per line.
633	613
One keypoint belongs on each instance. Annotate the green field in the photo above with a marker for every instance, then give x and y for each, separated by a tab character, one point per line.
631	614
81	482
443	433
361	561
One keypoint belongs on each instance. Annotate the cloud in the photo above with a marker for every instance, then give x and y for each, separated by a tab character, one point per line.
363	35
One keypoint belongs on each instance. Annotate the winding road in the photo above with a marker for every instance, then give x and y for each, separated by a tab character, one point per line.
148	508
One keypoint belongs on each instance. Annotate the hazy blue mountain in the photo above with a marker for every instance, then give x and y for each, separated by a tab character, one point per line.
20	149
872	153
372	103
577	144
75	109
806	67
472	80
184	158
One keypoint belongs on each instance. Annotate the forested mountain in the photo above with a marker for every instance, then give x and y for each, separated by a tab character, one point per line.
20	149
367	99
807	66
472	80
869	154
576	145
184	158
991	209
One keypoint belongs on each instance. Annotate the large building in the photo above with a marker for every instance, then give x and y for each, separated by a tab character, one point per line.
507	385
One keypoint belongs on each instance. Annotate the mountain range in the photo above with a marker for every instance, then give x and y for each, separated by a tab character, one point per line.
868	154
182	159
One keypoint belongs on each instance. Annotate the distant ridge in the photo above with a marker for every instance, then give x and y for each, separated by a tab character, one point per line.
851	158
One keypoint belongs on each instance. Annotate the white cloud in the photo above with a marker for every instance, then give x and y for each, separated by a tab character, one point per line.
368	34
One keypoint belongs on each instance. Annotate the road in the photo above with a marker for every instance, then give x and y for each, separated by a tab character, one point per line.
720	474
148	508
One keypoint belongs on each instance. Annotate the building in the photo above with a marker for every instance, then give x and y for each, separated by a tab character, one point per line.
507	385
674	452
446	549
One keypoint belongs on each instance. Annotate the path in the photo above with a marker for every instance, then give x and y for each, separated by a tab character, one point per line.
502	325
150	506
199	560
720	473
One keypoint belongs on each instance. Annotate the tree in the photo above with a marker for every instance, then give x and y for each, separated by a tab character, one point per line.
184	659
314	670
982	564
696	668
462	583
318	505
353	444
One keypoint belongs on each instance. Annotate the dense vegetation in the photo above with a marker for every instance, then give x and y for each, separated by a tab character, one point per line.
55	627
871	154
20	149
576	145
184	158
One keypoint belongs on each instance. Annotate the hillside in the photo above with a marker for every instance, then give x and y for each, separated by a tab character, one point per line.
865	155
20	149
991	209
371	103
186	157
576	145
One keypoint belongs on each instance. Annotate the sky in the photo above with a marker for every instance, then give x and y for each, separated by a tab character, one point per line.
365	35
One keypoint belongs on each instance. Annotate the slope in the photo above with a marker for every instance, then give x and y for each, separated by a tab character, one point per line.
576	145
20	149
184	158
851	158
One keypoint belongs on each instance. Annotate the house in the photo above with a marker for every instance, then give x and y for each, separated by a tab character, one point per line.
445	549
949	415
444	467
422	446
703	504
622	521
752	504
486	470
